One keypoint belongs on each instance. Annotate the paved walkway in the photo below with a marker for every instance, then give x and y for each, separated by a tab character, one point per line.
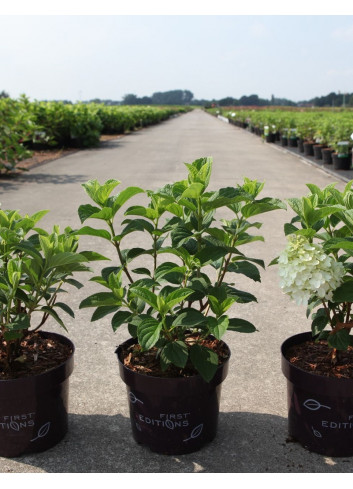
252	424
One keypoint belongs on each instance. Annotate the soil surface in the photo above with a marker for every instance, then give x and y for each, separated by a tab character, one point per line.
316	357
147	362
36	356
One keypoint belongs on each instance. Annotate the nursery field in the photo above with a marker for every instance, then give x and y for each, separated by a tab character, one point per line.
252	434
329	127
31	126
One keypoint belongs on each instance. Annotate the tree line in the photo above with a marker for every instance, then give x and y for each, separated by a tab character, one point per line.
186	97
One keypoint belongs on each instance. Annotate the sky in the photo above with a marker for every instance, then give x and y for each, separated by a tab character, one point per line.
81	54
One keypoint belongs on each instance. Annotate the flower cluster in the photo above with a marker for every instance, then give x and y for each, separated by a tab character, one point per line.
306	270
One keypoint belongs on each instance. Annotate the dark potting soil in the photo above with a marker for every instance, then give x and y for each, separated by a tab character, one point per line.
36	356
316	357
148	362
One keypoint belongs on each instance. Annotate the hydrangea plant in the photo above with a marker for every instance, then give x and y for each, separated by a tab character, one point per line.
189	275
316	267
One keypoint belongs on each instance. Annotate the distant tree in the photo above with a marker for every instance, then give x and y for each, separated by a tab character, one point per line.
129	99
145	100
228	101
4	94
172	97
187	97
253	100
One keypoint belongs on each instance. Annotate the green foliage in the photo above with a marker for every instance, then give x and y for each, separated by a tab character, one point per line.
34	267
18	127
325	127
29	125
325	217
171	298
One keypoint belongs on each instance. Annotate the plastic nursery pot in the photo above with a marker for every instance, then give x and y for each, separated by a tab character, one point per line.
327	155
293	142
320	409
270	138
308	149
34	410
318	151
172	415
341	162
300	145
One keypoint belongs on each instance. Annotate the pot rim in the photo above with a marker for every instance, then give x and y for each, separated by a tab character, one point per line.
127	374
332	386
63	369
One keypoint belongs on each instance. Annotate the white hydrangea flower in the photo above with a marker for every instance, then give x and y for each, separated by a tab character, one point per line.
306	270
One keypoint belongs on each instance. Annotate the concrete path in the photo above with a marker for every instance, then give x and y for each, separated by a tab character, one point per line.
252	424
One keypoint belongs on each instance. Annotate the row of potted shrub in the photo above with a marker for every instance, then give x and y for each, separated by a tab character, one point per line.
175	310
311	130
36	125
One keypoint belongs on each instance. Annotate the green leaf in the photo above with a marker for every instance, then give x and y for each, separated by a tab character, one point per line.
320	320
93	256
189	318
290	229
260	206
142	271
297	205
88	231
344	293
193	191
224	197
215	305
148	332
99	299
103	311
145	295
338	243
180	234
245	268
210	254
100	193
86	211
175	352
241	296
177	296
119	318
74	283
19	322
339	340
54	314
171	272
139	210
65	258
124	196
65	308
218	326
241	326
204	360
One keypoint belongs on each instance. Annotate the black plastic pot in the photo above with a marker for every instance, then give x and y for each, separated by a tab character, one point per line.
341	162
308	149
320	409
293	142
172	415
284	141
327	156
318	151
34	410
300	145
270	138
